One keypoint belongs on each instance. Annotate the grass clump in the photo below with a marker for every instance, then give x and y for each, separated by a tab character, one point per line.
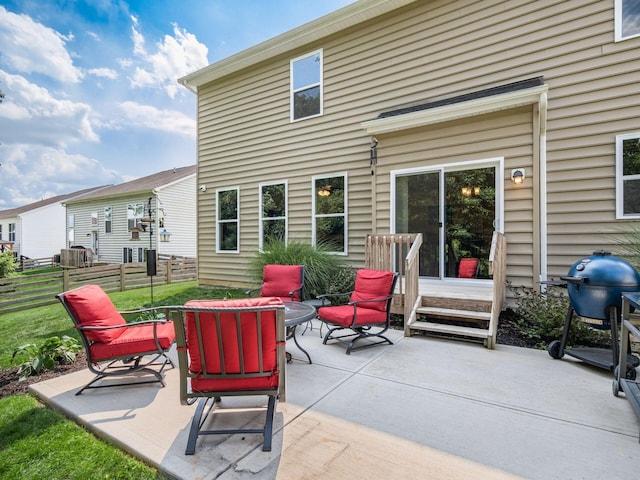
324	272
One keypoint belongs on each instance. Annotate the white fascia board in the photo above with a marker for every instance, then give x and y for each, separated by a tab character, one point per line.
455	111
334	22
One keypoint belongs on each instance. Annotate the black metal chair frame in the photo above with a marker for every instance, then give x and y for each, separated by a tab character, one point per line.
208	399
360	331
119	366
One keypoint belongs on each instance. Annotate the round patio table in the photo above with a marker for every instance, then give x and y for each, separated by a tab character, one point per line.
297	313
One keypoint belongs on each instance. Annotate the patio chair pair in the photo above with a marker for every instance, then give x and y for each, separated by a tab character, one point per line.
224	348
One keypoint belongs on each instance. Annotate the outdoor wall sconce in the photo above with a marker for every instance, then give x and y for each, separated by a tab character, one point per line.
374	151
517	175
202	188
165	235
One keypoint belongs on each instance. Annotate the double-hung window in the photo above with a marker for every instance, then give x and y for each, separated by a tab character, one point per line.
12	232
330	212
628	175
135	212
0	232
627	19
107	219
228	220
273	213
306	86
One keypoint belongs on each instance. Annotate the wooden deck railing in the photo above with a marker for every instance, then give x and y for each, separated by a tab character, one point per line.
397	252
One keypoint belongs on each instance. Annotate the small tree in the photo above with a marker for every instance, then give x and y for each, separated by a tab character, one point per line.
8	264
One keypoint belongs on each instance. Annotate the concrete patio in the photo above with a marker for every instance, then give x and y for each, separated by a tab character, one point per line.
423	408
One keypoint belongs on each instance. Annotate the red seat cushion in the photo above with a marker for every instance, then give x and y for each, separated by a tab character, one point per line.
372	284
92	307
230	343
343	315
279	280
135	340
468	268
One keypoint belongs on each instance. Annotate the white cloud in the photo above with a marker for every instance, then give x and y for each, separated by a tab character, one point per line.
104	72
175	57
31	172
146	116
30	47
31	114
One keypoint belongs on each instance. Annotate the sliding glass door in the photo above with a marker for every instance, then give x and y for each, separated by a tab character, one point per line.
454	208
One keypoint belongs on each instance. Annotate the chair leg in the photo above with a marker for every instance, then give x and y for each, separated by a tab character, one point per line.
268	424
196	424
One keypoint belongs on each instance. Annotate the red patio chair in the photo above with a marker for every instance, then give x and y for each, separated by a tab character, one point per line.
367	313
114	347
468	268
230	348
282	281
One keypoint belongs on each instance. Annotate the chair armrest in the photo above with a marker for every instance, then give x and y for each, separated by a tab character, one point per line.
251	291
111	327
328	295
381	299
293	292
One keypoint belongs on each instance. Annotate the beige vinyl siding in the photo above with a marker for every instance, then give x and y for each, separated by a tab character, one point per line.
423	52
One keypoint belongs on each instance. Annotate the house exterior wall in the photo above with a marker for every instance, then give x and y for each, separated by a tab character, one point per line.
426	51
178	202
5	232
110	245
42	231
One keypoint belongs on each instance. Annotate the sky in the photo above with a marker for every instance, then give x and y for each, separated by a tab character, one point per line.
91	92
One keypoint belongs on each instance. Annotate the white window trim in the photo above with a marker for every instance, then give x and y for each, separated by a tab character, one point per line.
618	23
286	211
110	209
345	214
620	215
219	222
320	84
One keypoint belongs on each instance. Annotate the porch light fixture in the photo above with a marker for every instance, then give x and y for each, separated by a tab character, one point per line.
517	175
165	235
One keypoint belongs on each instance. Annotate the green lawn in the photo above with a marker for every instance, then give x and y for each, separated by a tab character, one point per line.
38	443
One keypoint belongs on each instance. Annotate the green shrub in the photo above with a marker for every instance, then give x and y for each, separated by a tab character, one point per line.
541	318
53	351
323	272
8	264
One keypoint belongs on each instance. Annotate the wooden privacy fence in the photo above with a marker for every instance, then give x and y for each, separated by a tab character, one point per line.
37	290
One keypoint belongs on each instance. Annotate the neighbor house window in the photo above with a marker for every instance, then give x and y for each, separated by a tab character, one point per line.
228	220
0	232
306	86
94	219
107	219
71	221
12	232
628	176
627	19
127	255
134	215
273	213
330	212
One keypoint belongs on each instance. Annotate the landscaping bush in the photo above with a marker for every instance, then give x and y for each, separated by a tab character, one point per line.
323	272
8	264
49	355
541	318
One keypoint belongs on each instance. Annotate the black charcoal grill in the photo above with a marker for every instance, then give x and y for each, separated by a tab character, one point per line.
595	285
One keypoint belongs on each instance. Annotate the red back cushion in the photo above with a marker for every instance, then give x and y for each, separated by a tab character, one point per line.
468	268
230	341
372	284
279	280
92	307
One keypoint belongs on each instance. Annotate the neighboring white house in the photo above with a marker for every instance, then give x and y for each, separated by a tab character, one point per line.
119	223
37	230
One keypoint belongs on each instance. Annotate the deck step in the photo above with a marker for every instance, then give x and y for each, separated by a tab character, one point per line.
451	313
451	329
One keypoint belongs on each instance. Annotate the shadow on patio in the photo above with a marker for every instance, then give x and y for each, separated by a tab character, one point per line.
421	408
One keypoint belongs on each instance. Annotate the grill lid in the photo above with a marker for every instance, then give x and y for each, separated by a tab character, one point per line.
603	269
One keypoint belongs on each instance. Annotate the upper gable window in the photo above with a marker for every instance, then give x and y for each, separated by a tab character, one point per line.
627	19
306	86
628	176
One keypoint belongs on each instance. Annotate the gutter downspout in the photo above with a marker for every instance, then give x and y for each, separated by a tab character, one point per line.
543	190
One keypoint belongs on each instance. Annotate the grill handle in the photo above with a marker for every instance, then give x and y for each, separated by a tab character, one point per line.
575	280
